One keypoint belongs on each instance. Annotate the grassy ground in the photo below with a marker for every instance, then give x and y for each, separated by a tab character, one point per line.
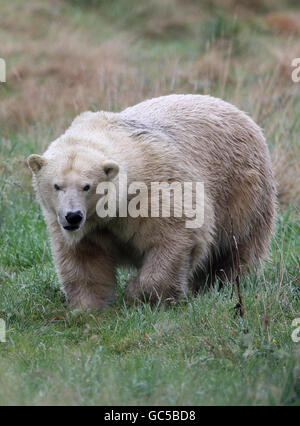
63	58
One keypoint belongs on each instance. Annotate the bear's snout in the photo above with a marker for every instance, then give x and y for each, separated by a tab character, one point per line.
74	219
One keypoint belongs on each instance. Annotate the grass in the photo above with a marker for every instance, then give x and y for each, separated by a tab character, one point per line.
199	352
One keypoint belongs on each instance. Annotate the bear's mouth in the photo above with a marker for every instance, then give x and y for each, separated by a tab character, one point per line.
71	227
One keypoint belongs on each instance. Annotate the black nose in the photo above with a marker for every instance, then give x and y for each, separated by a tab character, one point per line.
74	218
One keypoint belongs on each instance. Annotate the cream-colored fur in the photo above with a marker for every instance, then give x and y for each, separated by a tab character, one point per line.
176	138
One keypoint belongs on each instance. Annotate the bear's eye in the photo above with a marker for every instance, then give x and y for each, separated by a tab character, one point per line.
56	187
86	187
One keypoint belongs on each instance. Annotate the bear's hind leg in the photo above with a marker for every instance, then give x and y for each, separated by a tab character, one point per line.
222	267
163	276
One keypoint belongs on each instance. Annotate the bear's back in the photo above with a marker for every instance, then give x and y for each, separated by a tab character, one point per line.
215	143
182	110
205	119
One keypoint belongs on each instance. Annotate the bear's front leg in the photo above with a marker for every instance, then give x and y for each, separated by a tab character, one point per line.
86	272
164	275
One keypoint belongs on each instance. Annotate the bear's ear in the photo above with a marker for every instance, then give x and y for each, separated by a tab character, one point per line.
111	168
36	162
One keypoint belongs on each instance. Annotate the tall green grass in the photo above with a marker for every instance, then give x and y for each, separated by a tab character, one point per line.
197	352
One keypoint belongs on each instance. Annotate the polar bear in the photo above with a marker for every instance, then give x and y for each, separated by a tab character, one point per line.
175	138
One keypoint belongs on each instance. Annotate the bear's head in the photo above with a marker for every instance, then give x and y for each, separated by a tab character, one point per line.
65	180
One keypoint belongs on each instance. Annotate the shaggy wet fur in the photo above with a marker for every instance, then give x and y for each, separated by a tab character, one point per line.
177	138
